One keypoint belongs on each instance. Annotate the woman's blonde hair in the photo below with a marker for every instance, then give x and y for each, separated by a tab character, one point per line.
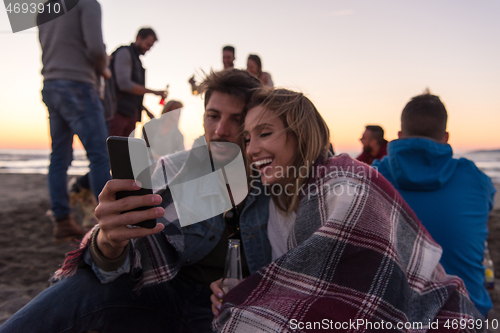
303	121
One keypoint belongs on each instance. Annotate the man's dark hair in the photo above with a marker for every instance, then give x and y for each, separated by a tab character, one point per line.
228	48
234	82
377	133
425	115
146	32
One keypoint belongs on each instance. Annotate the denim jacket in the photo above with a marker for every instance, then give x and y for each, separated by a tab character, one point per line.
159	257
201	238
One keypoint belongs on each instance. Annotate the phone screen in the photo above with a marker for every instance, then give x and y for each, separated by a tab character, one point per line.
129	159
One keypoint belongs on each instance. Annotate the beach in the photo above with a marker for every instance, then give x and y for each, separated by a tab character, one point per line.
28	256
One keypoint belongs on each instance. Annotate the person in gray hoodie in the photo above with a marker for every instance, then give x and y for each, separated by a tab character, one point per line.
73	56
451	197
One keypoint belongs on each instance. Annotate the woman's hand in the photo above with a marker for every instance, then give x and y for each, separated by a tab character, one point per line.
114	234
216	297
218	294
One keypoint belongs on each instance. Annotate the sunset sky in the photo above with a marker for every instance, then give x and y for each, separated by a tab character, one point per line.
358	61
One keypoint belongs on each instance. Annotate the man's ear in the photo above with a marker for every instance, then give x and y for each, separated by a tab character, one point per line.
400	134
446	137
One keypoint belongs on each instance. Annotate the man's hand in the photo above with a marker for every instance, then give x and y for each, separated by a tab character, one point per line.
114	233
141	90
161	93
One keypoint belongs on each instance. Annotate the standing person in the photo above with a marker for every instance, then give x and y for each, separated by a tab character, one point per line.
451	197
228	56
130	78
254	67
374	144
227	61
73	52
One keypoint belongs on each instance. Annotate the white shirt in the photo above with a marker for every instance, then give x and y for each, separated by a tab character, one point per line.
279	227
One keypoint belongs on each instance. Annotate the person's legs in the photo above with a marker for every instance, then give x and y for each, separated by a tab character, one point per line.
130	127
62	152
121	125
84	114
81	302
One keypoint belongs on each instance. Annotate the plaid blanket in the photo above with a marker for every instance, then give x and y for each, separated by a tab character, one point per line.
360	261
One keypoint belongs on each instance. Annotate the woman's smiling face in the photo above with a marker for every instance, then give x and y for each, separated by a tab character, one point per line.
268	146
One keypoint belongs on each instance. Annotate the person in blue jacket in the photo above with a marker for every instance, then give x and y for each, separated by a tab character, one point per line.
451	197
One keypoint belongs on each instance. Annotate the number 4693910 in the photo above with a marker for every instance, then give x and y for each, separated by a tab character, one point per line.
50	7
470	324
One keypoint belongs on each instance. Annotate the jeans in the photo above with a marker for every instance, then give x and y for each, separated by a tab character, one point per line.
74	108
81	302
121	125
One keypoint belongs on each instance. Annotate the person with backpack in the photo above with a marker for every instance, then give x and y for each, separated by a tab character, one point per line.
130	79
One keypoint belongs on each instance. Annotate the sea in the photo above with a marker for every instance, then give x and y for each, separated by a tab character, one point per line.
37	161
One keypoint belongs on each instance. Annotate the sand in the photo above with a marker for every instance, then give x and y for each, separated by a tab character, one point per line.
28	257
27	254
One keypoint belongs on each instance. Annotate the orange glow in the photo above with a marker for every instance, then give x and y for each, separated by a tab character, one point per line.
32	140
344	138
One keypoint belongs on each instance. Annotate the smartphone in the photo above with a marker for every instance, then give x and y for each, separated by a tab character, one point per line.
127	155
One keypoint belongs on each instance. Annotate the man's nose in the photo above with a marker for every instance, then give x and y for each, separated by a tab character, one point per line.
223	129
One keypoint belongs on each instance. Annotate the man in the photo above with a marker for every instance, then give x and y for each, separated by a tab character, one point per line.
72	53
451	197
130	81
374	144
227	61
174	280
228	56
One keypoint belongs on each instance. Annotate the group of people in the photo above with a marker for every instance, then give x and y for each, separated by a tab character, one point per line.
324	239
74	63
254	67
79	72
339	243
451	197
121	89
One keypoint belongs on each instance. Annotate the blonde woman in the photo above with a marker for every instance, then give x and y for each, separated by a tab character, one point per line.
346	247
